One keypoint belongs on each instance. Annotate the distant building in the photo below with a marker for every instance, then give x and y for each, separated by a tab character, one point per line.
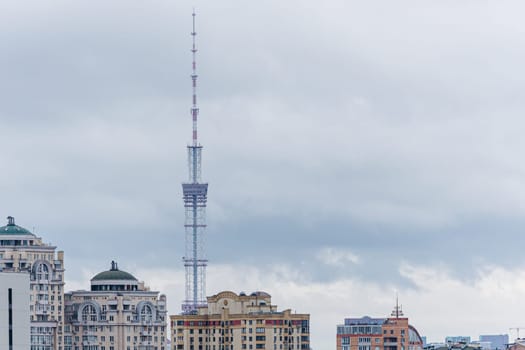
424	340
366	333
235	322
519	344
23	252
498	341
14	311
453	346
118	313
484	345
458	339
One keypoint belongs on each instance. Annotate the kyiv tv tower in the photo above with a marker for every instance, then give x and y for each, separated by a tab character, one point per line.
195	197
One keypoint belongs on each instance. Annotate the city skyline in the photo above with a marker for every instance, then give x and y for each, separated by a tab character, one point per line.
356	149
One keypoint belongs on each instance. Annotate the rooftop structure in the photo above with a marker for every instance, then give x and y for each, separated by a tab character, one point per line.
453	346
114	280
458	339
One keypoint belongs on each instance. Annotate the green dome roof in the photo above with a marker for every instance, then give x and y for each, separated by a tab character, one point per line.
114	274
12	229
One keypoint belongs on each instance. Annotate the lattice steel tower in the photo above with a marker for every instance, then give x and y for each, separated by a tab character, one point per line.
195	197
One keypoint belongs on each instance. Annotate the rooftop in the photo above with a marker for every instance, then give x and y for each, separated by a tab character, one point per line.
12	229
114	274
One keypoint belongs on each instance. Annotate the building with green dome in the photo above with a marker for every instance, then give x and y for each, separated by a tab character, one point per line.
117	312
21	251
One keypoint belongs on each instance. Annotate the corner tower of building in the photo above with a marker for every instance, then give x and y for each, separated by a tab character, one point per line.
114	280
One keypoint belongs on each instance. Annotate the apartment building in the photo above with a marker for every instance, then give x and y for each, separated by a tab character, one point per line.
233	321
117	313
23	252
366	333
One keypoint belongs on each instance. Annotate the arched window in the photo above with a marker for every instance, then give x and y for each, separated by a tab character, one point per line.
89	313
42	272
146	314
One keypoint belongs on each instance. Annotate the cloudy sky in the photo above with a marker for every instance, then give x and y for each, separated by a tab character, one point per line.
354	149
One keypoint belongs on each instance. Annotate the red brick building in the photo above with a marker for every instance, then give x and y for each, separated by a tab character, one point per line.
366	333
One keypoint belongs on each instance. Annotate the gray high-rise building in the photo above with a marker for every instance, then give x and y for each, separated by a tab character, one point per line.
498	341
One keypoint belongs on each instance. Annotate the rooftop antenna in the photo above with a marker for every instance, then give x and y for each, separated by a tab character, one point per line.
517	329
398	310
194	108
195	198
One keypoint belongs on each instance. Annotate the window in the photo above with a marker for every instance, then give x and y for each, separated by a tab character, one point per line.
146	314
42	272
89	313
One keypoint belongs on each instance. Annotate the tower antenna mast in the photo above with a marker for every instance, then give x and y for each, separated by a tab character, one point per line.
195	198
194	108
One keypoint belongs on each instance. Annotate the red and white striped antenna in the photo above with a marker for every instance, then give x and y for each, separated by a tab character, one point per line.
194	108
195	198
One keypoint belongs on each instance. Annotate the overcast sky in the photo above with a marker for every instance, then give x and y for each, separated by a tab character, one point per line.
354	149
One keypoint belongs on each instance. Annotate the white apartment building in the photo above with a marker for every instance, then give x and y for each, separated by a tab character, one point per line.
23	252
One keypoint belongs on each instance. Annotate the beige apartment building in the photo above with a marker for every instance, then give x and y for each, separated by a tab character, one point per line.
23	252
235	322
117	313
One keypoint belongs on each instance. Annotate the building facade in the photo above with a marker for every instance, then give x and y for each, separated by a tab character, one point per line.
23	252
497	341
366	333
457	339
117	313
231	322
14	309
